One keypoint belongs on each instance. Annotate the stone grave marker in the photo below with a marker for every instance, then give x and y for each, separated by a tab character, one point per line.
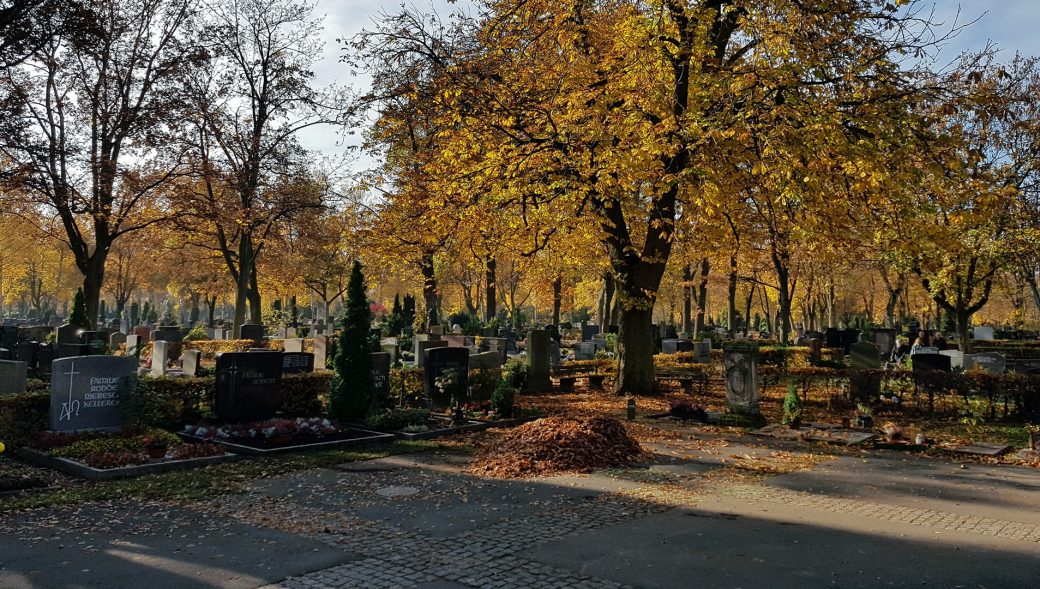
27	352
925	362
291	333
36	333
494	344
88	393
422	346
956	358
115	340
485	360
167	333
381	362
249	386
72	350
143	334
252	331
832	337
702	352
321	351
538	361
885	339
587	331
741	369
8	337
160	358
554	353
293	344
992	362
455	341
925	350
983	333
133	345
675	346
387	347
45	356
296	362
865	355
13	377
438	360
437	330
584	351
66	334
190	362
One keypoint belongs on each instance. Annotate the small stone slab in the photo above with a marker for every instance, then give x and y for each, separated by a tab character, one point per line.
830	435
981	449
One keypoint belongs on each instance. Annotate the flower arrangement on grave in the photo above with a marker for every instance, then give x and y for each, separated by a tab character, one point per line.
271	429
127	447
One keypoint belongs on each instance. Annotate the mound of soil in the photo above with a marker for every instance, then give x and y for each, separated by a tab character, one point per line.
559	444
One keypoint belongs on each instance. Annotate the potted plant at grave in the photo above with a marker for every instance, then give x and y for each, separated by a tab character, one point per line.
155	447
792	408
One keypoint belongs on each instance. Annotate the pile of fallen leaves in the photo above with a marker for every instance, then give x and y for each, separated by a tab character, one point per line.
559	444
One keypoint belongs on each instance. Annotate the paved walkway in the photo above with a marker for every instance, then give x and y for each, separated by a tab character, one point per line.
705	514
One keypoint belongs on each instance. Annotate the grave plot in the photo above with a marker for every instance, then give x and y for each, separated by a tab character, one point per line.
275	436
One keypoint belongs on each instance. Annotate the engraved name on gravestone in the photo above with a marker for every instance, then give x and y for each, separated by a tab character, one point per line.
741	370
249	385
89	392
296	362
381	374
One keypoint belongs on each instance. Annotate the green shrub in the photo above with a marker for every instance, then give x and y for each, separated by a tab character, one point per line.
792	406
398	419
197	334
352	394
23	416
504	397
482	383
516	374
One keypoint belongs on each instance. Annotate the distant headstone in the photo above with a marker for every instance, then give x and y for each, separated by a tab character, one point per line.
160	358
675	346
924	350
494	344
389	348
992	362
293	345
587	331
116	340
455	341
36	333
956	358
585	351
133	346
439	360
291	333
702	352
865	355
741	369
13	377
143	334
71	350
252	331
296	362
436	330
381	363
538	361
485	360
885	339
169	333
321	351
27	352
554	353
87	393
45	356
248	385
683	335
983	333
191	361
926	362
66	334
422	346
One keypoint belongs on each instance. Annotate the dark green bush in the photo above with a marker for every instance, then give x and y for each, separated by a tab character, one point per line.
397	419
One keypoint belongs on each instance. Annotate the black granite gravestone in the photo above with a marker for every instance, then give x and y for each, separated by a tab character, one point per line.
252	331
88	392
381	373
437	362
922	362
249	385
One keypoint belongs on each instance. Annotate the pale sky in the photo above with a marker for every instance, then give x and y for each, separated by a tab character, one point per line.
1013	25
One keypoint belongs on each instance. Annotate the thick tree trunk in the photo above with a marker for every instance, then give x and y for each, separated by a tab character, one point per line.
426	268
211	310
635	347
557	287
93	280
193	314
731	308
702	297
256	309
687	308
608	302
490	285
747	306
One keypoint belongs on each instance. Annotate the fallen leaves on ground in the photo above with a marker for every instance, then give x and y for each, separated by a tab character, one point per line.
559	444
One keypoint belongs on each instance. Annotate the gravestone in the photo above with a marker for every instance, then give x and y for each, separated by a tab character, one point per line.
87	393
252	331
160	358
167	333
510	336
683	335
983	333
485	360
293	345
133	346
115	340
72	350
381	363
437	330
926	362
249	386
296	362
848	338
34	334
190	361
865	356
143	334
66	334
422	346
554	353
389	347
587	331
702	352
455	341
538	361
8	337
321	351
956	358
291	333
494	344
94	340
13	377
992	362
585	351
741	370
45	356
924	350
885	339
439	360
833	337
675	346
27	352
